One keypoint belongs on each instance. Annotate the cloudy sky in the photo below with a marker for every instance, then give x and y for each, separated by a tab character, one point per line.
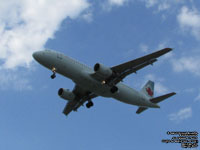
105	31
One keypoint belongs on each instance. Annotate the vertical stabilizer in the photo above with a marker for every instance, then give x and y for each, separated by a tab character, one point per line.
148	89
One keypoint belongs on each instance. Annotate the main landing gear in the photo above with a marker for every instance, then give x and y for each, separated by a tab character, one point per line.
89	104
54	73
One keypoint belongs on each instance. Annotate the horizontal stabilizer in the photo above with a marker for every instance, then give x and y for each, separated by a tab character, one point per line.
141	109
155	100
161	98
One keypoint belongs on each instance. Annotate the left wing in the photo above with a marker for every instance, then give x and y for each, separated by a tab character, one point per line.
81	97
69	107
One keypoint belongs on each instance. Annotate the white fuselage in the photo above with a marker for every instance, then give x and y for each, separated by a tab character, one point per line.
81	75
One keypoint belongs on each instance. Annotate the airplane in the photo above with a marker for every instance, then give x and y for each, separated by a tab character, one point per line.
101	80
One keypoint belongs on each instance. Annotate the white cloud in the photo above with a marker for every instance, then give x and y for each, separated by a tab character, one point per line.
189	20
197	98
88	16
13	80
150	3
190	64
162	5
181	115
109	4
160	89
25	26
189	90
117	2
144	48
163	44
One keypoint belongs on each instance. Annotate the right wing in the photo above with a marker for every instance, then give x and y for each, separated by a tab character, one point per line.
133	66
123	70
139	61
81	97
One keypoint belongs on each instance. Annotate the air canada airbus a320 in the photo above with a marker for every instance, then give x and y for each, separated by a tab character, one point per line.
101	80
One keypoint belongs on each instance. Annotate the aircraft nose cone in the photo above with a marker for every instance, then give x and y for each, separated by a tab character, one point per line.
36	55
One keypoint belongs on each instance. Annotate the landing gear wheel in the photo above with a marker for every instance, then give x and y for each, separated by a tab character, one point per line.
89	104
54	73
53	76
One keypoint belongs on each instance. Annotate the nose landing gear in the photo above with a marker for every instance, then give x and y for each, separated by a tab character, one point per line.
54	73
89	104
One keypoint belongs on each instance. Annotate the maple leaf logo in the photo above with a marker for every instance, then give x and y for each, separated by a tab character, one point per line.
150	93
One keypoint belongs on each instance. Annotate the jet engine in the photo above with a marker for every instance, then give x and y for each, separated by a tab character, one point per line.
66	94
102	70
114	89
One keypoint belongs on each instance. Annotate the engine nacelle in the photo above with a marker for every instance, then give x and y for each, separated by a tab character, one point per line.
66	94
114	89
102	70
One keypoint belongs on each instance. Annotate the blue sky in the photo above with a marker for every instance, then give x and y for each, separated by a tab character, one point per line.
110	32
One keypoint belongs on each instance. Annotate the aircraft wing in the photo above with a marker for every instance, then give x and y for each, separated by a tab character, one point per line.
132	66
69	107
139	61
82	97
